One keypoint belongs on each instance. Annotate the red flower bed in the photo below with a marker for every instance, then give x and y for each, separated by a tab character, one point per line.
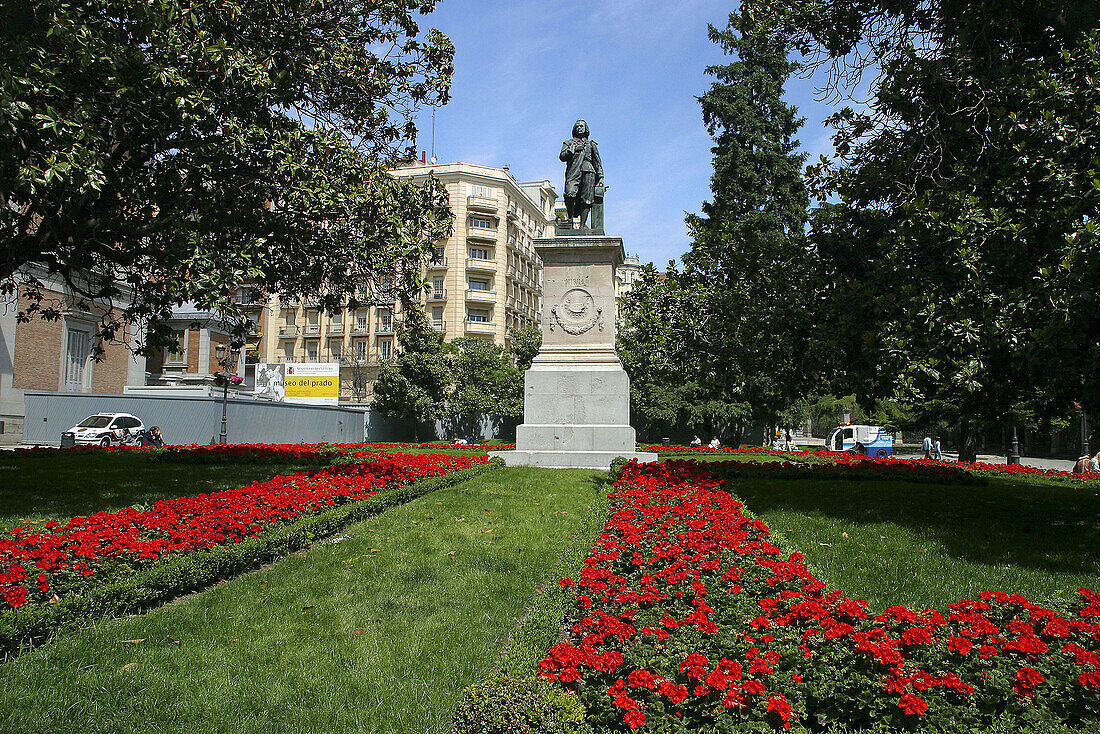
847	458
40	566
694	618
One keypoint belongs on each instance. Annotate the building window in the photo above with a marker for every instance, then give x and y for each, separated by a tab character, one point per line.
483	192
385	319
385	348
479	284
361	321
482	223
361	350
437	317
479	315
479	253
179	354
311	351
437	287
78	353
288	352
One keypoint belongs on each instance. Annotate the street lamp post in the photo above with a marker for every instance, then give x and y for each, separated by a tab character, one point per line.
226	360
1084	432
1014	457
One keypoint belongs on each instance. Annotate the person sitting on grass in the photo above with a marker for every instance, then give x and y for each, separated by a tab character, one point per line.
152	437
714	443
696	442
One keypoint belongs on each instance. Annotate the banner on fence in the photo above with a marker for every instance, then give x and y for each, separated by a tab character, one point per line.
316	383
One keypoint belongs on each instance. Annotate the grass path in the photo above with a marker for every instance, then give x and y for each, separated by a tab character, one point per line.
928	545
377	633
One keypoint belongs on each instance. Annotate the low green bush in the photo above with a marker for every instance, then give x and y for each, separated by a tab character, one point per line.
509	705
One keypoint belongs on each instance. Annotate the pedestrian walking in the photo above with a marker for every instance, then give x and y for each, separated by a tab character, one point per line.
936	453
926	446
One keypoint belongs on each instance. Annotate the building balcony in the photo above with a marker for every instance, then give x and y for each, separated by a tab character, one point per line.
482	204
440	326
383	327
479	234
481	263
288	331
436	295
313	330
437	264
359	330
513	212
480	327
474	294
335	329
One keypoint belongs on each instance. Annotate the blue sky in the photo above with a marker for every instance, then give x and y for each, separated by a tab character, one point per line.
525	70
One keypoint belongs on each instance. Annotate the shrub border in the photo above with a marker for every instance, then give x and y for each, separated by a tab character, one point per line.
28	627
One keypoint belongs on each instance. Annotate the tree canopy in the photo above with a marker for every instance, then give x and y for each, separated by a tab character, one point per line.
960	240
723	343
158	153
454	382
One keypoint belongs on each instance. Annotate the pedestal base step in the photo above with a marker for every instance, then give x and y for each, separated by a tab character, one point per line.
570	459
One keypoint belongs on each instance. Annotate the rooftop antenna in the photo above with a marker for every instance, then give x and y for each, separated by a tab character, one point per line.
434	159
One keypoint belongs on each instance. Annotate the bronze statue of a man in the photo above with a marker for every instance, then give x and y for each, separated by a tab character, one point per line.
583	172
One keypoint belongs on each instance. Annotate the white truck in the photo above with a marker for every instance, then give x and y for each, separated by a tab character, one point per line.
861	439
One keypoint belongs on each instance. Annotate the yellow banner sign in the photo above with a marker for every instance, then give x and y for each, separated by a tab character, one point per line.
317	383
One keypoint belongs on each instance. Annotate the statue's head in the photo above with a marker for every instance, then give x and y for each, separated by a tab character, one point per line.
580	129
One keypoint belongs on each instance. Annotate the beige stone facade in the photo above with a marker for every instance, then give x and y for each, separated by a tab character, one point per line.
485	281
487	278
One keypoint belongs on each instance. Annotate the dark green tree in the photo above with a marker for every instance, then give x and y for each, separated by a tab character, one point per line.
455	382
750	272
157	153
416	383
672	386
962	246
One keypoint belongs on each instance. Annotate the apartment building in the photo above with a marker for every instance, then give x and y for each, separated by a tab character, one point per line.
485	281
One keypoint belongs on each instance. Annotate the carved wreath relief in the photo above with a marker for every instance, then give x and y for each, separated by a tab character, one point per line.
577	312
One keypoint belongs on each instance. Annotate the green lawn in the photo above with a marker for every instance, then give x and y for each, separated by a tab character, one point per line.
376	633
927	545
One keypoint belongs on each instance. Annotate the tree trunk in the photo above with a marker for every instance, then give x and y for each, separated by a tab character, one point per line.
968	443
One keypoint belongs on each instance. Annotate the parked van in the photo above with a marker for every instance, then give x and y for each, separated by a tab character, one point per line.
104	429
860	439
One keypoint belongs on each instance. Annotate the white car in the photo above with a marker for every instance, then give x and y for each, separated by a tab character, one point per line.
105	429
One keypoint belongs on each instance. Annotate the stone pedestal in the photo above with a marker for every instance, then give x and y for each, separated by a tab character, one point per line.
576	408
